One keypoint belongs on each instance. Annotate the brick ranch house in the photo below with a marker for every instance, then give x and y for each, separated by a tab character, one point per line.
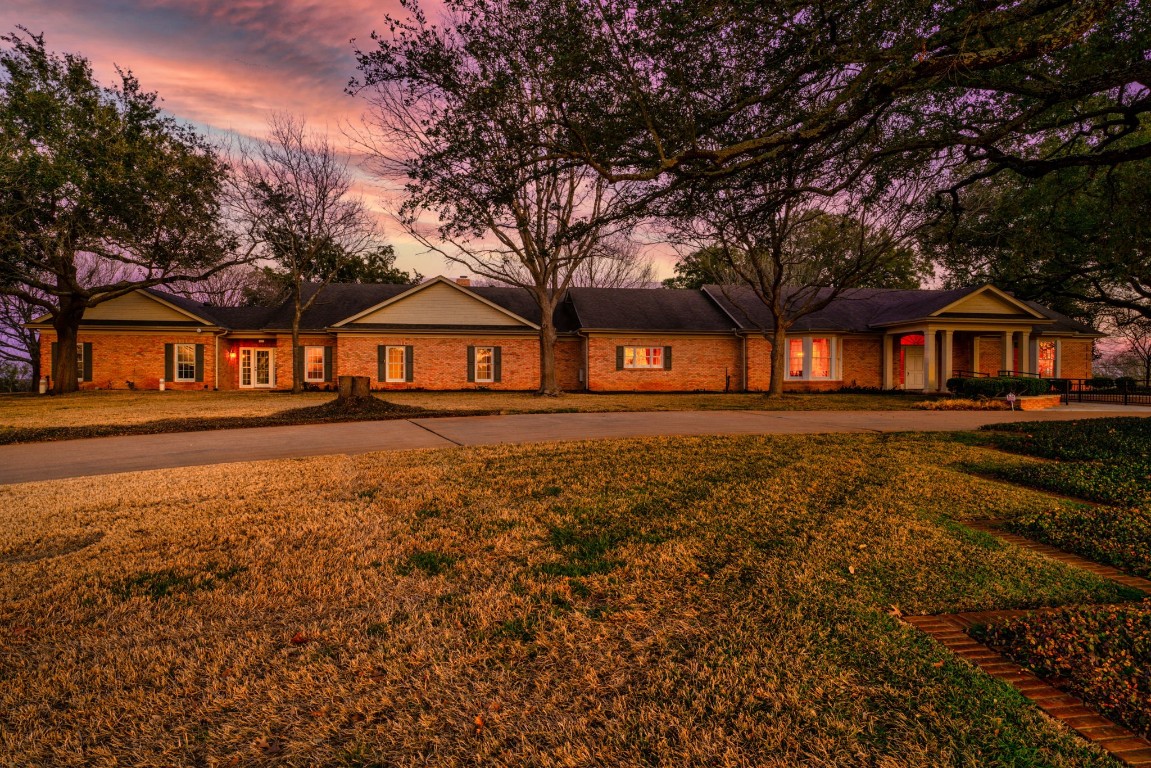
447	335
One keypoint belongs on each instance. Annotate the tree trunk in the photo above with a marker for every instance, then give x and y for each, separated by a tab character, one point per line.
354	388
778	359
548	384
297	364
66	322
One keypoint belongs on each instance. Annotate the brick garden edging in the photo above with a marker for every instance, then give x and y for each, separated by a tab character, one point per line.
951	631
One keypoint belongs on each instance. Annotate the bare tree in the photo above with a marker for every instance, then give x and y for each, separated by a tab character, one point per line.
233	287
18	345
618	263
1130	353
462	124
294	193
797	254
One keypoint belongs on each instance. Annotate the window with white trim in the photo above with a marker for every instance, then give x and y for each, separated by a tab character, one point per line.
485	364
1048	354
643	357
314	364
811	358
395	364
185	362
80	361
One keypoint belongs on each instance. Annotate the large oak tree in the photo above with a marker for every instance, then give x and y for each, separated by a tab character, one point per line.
97	174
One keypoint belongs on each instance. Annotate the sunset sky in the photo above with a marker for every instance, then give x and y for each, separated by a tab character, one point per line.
225	66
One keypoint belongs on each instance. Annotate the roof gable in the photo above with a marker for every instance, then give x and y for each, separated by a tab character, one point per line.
987	300
439	301
142	306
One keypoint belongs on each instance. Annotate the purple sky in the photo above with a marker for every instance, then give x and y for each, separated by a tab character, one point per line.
225	66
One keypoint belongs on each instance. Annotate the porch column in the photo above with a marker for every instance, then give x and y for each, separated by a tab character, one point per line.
931	375
975	354
1008	359
948	364
1027	361
888	361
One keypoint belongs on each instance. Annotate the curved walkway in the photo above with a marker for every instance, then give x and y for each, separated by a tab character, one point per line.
100	456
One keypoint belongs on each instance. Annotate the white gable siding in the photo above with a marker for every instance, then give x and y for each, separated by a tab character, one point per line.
135	306
986	303
439	304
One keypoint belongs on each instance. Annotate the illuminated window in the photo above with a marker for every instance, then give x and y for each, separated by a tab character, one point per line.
1047	354
821	358
396	364
811	358
485	364
795	358
185	362
643	357
313	364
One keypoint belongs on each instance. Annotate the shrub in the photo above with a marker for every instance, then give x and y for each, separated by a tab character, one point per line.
1100	653
999	386
1101	382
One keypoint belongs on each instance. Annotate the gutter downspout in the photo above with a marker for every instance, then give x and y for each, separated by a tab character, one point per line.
216	364
746	367
586	360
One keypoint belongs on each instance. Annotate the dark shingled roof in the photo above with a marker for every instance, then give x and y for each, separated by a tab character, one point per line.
647	309
715	309
864	309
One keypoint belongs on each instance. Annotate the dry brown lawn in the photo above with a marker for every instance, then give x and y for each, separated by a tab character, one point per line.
91	408
679	602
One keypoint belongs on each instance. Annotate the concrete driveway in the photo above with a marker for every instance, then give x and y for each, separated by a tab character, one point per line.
106	455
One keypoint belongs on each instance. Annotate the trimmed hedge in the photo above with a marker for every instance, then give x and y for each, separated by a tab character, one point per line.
999	386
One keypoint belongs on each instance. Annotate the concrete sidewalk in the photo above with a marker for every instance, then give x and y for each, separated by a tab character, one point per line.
106	455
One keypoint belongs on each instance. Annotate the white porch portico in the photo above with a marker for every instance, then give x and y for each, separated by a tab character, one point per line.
983	332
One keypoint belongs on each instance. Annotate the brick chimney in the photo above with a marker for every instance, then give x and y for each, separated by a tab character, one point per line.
463	280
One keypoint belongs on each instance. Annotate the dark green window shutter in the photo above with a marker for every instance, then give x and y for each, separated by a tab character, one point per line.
497	364
667	358
619	358
328	363
52	362
169	361
409	363
381	363
471	363
87	372
298	365
200	362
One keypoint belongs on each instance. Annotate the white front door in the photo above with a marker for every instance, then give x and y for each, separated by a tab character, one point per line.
913	367
256	367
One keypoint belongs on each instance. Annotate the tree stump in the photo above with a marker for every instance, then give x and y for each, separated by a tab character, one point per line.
354	388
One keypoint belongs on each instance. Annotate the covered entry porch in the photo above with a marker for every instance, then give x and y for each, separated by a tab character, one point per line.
925	358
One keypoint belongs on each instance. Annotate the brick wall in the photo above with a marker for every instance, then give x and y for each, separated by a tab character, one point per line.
698	364
132	357
1076	358
862	362
990	354
441	363
569	363
962	345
